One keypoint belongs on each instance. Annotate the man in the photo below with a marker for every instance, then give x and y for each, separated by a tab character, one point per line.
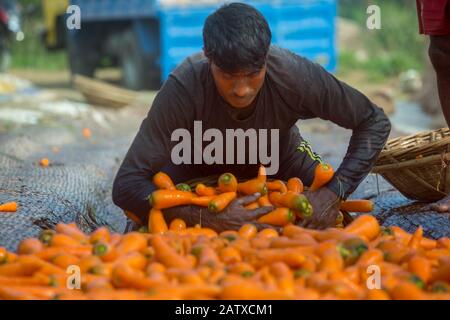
434	20
241	81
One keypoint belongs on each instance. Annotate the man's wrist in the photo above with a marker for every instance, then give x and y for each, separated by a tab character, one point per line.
338	186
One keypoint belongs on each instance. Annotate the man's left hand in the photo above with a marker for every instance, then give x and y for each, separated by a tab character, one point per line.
325	205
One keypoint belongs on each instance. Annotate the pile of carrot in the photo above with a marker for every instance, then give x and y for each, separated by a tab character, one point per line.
290	204
200	264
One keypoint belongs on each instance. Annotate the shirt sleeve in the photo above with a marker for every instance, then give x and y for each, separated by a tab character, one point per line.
151	148
326	97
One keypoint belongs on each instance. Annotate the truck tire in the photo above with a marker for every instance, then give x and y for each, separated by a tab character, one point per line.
139	71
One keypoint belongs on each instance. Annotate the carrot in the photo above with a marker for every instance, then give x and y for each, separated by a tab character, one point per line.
65	260
203	190
293	257
285	242
207	256
163	181
262	176
377	294
278	217
49	253
365	225
420	266
177	225
220	202
331	261
415	240
132	216
105	251
365	206
167	255
443	243
133	241
295	185
230	255
202	201
277	185
252	186
101	234
252	206
24	281
248	231
227	182
156	222
264	201
202	232
124	276
44	162
407	291
322	175
292	201
30	246
268	233
8	207
62	240
72	231
163	199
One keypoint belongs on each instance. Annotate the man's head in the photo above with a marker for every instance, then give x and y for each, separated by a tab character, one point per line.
236	41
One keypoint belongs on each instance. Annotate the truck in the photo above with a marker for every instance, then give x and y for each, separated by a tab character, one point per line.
147	39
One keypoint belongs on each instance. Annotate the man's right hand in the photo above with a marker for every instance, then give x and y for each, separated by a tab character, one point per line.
232	218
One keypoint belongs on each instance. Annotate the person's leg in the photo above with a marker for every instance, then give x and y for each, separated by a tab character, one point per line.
439	53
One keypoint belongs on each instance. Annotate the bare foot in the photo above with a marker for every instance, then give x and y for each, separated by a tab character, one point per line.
441	206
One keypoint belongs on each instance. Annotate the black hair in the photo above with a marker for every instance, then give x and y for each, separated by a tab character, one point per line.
237	37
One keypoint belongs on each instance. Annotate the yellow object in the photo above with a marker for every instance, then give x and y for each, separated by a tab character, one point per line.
52	9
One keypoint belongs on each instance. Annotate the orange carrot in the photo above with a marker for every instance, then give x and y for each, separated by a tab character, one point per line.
202	201
295	185
264	201
421	267
8	207
63	240
72	231
133	217
227	182
278	217
364	225
163	181
322	175
248	231
133	241
252	206
156	222
177	225
277	185
292	200
44	162
30	246
365	206
167	255
262	173
221	201
415	240
268	233
101	234
253	186
163	199
203	190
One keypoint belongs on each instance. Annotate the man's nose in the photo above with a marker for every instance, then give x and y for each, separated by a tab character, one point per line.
241	89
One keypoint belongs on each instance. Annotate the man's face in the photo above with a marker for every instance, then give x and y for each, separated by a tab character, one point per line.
238	89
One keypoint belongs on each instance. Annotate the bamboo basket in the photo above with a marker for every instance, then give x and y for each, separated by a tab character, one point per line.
104	94
418	165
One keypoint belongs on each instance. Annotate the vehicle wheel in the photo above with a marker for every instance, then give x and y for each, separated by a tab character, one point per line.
139	71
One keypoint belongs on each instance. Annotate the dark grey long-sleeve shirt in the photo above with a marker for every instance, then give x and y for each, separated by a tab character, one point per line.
294	88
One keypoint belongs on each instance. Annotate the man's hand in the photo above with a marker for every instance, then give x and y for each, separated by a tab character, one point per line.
325	205
232	218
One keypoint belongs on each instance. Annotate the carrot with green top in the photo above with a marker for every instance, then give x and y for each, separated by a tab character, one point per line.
295	185
277	185
203	190
363	206
220	202
253	186
278	217
202	201
322	175
227	182
292	200
163	181
8	207
156	222
183	187
163	199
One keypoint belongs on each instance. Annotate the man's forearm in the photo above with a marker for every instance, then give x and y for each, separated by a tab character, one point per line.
364	148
